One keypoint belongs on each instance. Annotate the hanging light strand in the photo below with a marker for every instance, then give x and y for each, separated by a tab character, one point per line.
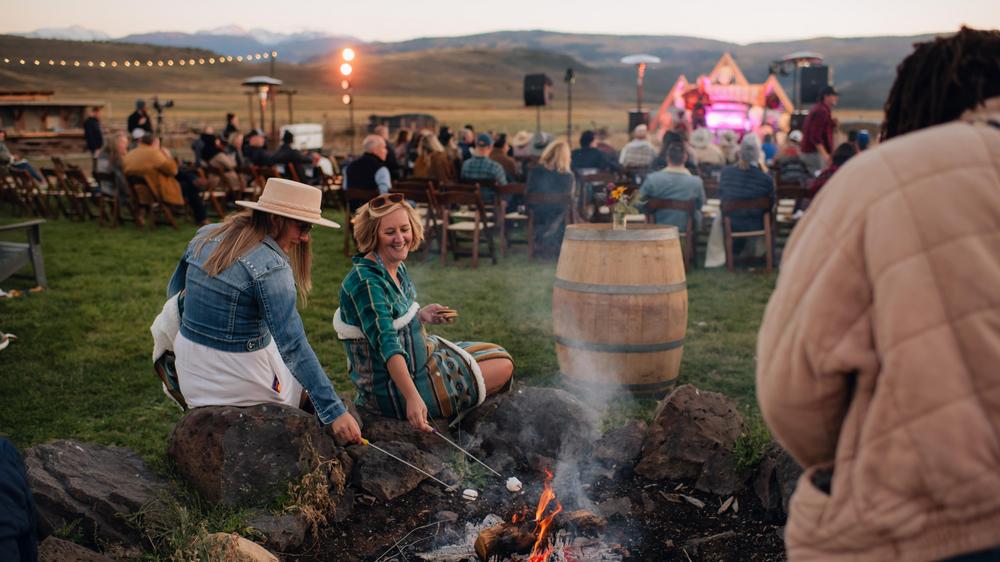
134	63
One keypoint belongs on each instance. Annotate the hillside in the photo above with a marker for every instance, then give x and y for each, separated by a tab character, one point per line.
487	66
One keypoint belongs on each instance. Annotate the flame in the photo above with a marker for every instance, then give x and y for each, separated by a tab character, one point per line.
542	523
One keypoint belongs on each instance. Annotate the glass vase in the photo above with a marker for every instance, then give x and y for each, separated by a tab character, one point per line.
618	221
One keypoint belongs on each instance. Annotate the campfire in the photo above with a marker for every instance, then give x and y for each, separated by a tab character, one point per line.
551	535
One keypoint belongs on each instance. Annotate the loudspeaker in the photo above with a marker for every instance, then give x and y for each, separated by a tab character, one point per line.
812	80
636	118
537	89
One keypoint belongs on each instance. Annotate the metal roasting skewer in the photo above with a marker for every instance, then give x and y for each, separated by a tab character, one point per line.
470	455
418	469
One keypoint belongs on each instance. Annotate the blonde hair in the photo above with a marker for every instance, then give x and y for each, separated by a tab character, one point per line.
556	156
243	231
366	222
115	156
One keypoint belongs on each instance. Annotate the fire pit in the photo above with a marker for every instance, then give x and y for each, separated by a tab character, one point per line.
549	534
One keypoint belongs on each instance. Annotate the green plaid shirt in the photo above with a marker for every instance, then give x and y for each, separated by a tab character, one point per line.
482	168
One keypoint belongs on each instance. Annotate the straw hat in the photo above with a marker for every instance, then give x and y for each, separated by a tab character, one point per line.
291	199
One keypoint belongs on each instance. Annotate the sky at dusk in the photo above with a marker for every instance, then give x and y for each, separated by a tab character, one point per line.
393	20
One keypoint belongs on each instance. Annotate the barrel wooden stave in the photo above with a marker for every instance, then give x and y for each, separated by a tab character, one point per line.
620	309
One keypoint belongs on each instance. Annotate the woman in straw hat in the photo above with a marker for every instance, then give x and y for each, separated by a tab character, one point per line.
399	369
241	340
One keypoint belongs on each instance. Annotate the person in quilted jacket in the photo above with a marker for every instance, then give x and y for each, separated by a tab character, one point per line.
879	351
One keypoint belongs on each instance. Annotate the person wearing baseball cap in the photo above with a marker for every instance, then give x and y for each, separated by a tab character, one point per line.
817	131
479	167
241	341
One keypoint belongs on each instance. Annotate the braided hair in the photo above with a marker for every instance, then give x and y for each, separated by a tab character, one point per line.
941	79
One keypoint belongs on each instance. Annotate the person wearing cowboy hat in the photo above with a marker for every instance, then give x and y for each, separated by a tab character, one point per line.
704	151
241	341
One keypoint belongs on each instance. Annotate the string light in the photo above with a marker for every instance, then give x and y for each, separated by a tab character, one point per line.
250	57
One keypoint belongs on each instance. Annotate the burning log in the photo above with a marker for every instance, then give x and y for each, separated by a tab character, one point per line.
503	540
580	522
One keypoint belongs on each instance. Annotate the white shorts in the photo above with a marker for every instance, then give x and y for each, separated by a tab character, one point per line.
209	377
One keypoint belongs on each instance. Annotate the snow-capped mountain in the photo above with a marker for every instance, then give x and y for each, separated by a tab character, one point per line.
72	33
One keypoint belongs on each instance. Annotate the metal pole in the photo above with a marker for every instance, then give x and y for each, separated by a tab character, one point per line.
569	112
538	119
350	112
250	107
291	117
274	128
638	86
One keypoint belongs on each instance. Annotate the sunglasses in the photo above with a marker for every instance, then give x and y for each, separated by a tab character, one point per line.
304	228
385	199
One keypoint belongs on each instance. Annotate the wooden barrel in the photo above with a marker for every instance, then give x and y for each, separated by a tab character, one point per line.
619	308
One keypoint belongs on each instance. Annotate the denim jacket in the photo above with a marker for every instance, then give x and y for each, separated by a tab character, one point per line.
243	307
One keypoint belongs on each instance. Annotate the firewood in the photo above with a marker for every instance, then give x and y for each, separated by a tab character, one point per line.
581	522
503	540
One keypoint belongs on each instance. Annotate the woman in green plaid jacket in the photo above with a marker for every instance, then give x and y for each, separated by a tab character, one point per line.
399	369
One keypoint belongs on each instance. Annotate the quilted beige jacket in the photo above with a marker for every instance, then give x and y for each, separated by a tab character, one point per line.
879	352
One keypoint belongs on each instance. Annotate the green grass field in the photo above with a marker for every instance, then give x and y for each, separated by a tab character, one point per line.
81	367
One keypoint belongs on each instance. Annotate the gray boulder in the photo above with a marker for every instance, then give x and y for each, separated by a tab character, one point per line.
58	550
691	438
89	485
535	425
282	533
775	481
382	429
249	456
385	477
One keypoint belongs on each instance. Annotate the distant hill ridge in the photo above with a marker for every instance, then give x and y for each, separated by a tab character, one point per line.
864	67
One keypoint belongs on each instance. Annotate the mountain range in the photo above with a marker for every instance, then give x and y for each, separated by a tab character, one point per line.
863	67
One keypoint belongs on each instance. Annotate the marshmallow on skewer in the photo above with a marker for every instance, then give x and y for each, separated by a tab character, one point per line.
514	485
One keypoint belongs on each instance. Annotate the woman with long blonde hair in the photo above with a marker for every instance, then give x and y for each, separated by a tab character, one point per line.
241	341
551	175
433	162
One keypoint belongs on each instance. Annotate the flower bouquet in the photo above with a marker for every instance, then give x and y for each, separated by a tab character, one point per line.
622	204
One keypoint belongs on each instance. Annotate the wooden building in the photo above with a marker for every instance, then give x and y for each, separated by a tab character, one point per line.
38	125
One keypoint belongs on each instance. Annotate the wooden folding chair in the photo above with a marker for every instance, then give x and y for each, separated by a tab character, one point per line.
29	191
689	234
146	197
761	203
425	196
57	195
108	206
514	192
593	191
353	199
480	226
534	200
81	190
10	191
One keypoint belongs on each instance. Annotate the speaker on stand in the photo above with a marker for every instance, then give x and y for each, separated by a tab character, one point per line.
537	93
812	80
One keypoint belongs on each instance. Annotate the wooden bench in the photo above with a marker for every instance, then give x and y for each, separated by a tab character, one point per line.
15	255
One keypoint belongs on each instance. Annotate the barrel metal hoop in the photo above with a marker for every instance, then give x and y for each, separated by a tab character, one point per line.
620	289
646	234
620	347
657	388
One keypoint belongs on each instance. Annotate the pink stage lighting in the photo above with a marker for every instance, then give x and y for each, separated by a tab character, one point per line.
727	116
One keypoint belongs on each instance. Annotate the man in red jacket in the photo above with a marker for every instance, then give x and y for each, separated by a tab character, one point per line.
817	131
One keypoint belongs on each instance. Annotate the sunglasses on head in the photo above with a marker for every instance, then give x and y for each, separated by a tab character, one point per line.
385	199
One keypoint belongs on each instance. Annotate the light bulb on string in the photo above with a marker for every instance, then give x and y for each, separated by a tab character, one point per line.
102	64
114	64
52	62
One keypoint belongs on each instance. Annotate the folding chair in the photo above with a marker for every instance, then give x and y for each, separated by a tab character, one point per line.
689	234
763	203
534	200
353	199
10	191
146	197
515	192
480	226
57	195
29	191
593	192
81	190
